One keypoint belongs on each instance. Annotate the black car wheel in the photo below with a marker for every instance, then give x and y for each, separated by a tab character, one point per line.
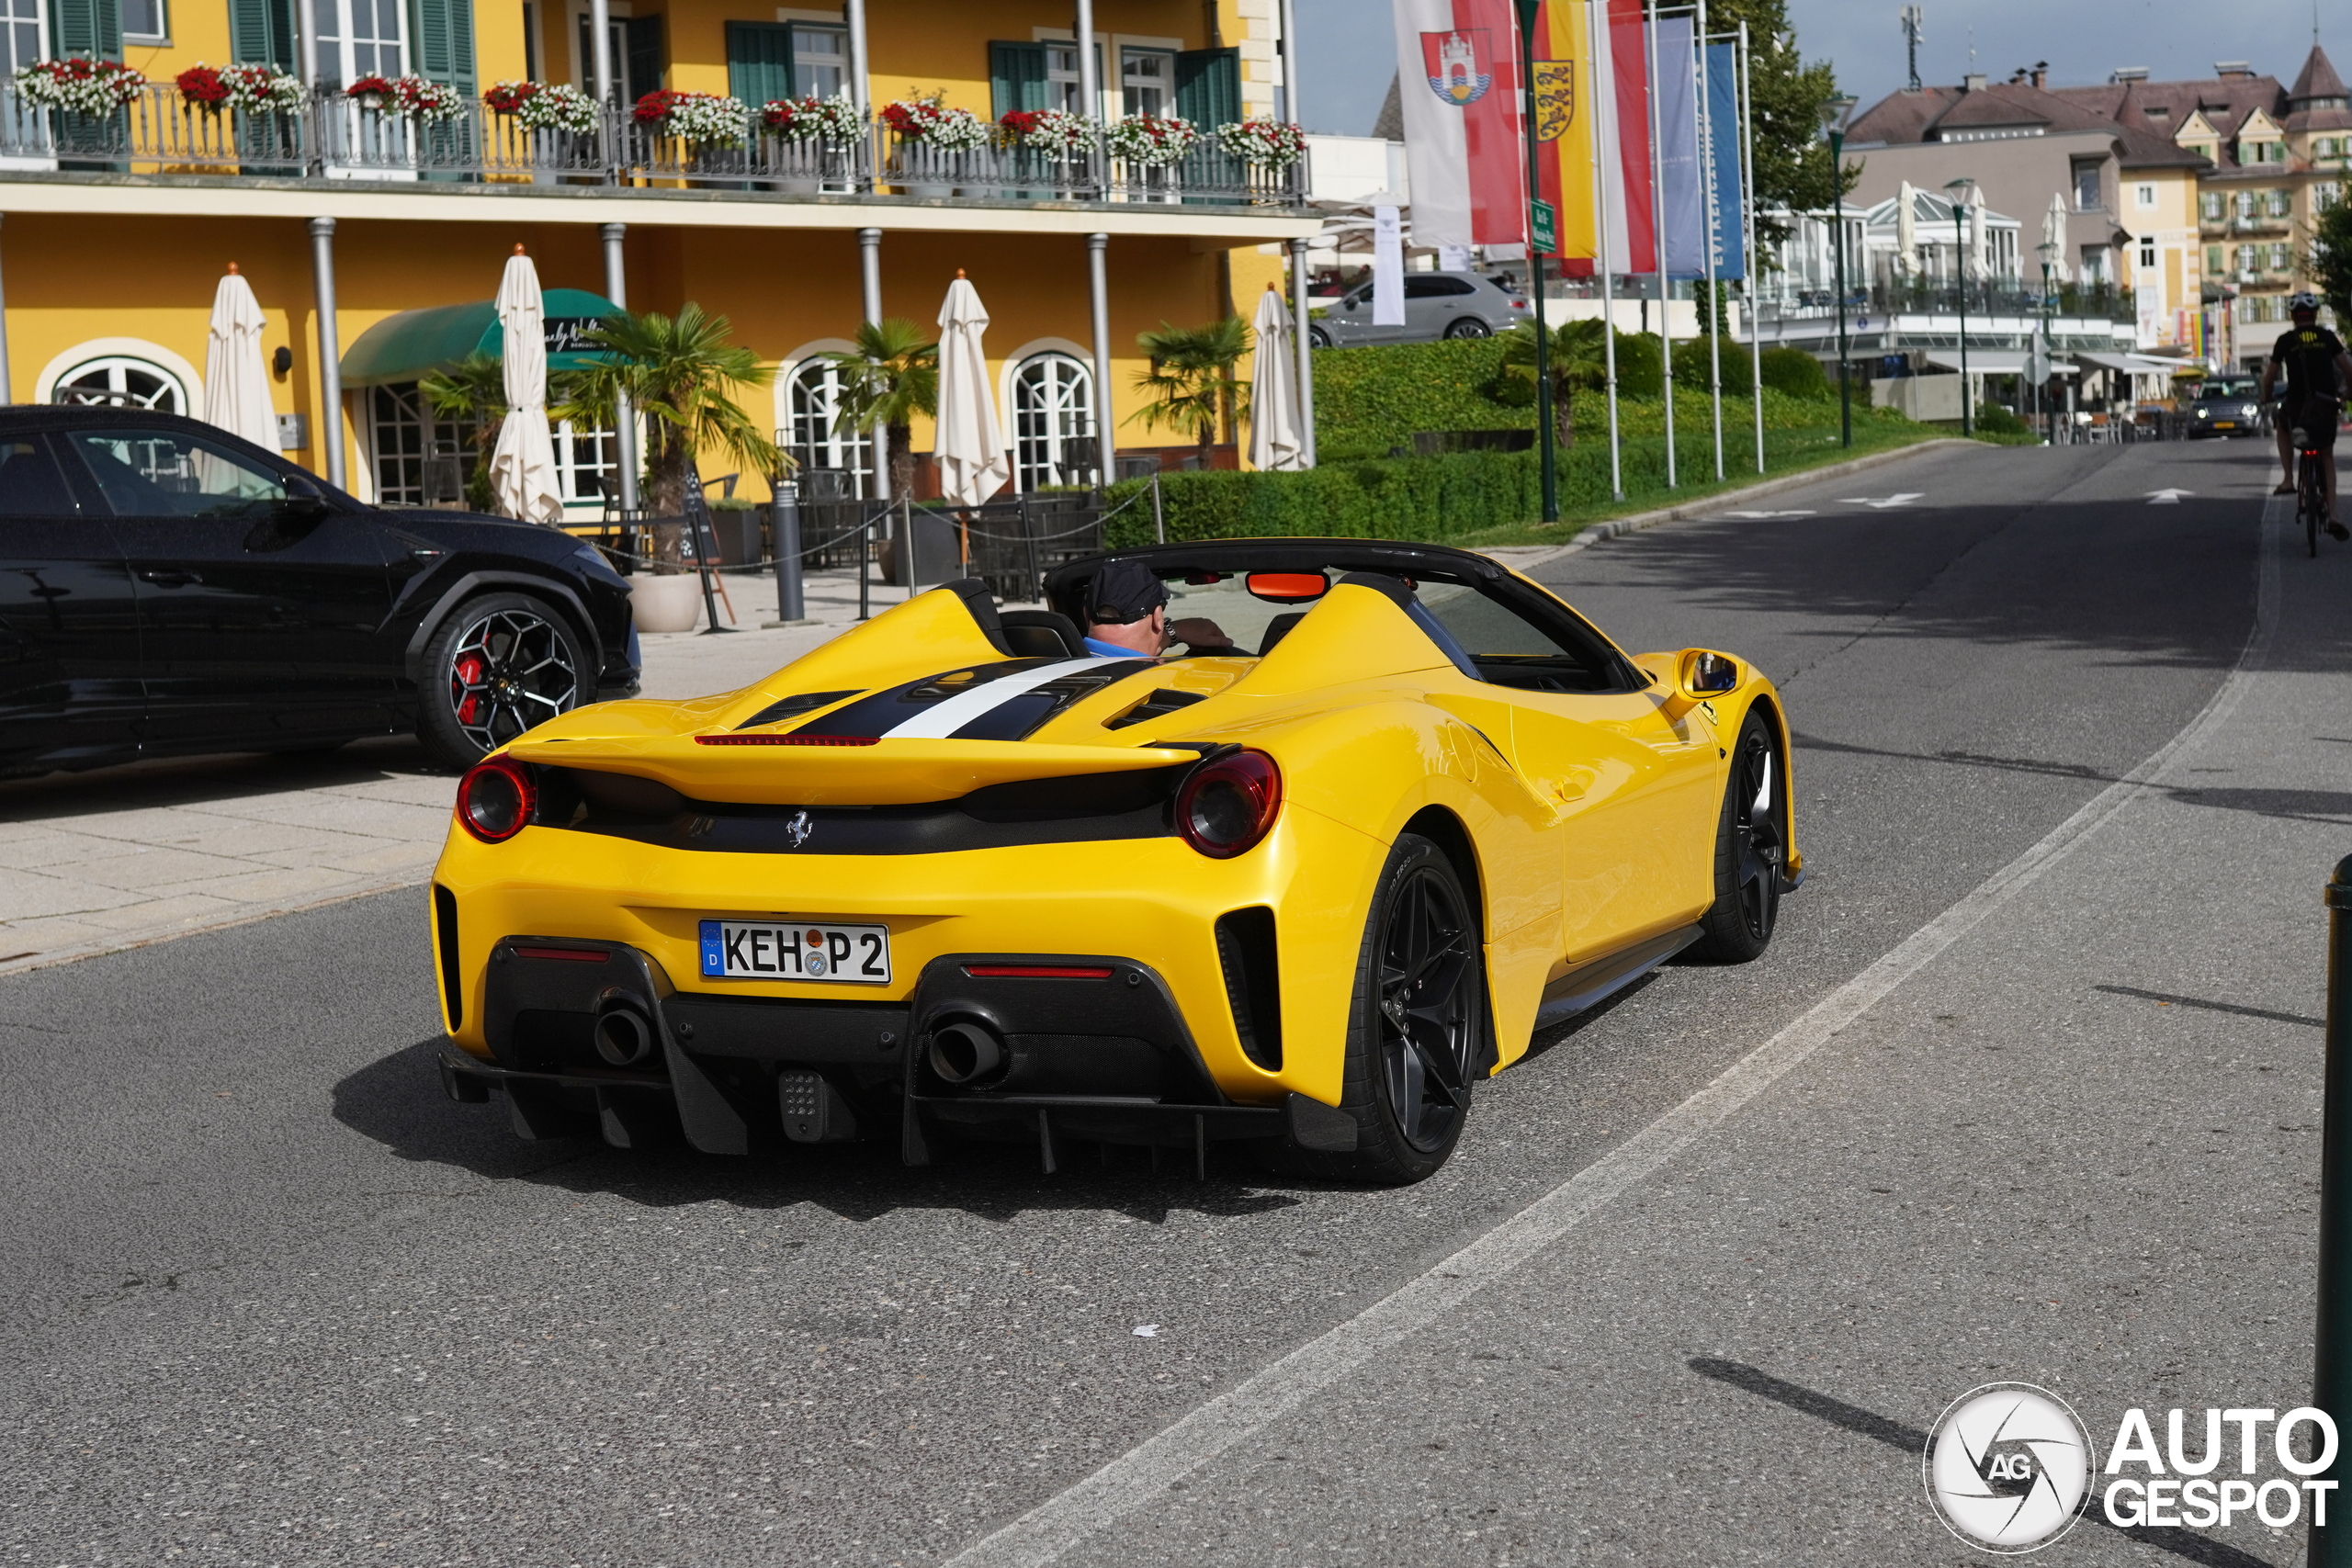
1317	338
1469	326
497	667
1416	1029
1751	849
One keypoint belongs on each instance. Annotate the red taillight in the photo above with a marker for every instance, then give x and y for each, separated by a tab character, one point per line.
495	799
1228	803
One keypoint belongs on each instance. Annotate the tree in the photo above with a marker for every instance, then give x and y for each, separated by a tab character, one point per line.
1576	362
1190	380
2330	263
680	376
891	376
472	393
1785	94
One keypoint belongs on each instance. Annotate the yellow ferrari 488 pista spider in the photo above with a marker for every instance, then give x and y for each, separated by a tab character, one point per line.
963	873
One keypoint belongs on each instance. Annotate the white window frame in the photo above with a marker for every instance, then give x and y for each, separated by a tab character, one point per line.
837	61
343	67
2145	194
40	46
854	451
1078	373
1130	53
163	33
116	367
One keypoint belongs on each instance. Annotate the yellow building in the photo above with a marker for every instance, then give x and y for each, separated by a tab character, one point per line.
344	212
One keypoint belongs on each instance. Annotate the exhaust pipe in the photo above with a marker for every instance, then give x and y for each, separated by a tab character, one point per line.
966	1053
623	1034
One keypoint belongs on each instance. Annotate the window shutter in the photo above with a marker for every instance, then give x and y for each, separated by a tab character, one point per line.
442	39
1017	77
759	62
644	56
85	26
261	33
1208	86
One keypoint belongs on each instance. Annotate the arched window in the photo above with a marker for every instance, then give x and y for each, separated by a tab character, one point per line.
1053	409
120	381
818	435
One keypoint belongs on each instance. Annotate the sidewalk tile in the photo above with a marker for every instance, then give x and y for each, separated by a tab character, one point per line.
27	848
187	909
144	871
27	895
277	886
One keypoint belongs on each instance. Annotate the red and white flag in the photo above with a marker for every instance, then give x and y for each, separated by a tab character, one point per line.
1457	68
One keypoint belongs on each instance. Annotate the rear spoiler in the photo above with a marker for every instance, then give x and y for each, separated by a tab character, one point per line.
880	772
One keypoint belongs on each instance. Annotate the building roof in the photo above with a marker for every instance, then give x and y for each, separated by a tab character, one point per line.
2318	80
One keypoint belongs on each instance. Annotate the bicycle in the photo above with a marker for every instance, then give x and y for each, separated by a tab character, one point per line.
2311	490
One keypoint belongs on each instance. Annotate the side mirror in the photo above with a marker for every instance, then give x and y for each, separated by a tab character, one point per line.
1700	674
303	501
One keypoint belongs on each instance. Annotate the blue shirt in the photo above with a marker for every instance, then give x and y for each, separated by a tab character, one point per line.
1112	650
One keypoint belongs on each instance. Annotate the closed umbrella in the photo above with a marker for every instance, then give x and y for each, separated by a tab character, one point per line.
237	381
974	461
1906	231
2054	232
1275	438
522	469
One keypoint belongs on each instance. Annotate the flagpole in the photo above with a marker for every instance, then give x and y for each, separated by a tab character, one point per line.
1748	222
1657	227
1702	117
1604	136
1546	436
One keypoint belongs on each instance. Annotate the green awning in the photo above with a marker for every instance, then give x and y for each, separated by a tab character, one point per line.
403	347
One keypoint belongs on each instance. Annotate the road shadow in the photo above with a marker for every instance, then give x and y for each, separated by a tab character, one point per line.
194	781
397	1101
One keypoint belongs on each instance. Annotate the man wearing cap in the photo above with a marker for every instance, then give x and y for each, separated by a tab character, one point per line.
1126	615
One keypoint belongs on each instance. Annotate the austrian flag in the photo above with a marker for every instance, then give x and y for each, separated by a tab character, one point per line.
1459	62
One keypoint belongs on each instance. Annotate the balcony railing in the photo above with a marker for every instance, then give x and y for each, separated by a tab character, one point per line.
2008	296
331	136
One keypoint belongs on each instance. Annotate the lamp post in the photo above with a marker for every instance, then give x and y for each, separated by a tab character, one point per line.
1959	190
1834	116
1528	13
2048	251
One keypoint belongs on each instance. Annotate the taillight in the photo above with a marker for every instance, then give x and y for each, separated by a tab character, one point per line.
1228	803
495	799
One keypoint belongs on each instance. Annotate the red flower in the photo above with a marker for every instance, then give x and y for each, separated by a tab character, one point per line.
202	85
370	87
1021	122
508	98
654	108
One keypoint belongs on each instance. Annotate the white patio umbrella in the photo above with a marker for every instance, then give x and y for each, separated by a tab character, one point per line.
1906	229
237	381
1274	437
2054	232
522	467
974	459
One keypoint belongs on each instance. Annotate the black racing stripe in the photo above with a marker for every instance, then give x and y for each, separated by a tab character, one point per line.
1016	719
793	707
886	710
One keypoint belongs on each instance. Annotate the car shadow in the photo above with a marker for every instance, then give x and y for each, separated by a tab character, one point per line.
226	776
397	1101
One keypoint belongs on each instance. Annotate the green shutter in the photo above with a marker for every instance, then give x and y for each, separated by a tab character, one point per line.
644	35
1017	77
261	33
759	62
1208	86
85	26
443	34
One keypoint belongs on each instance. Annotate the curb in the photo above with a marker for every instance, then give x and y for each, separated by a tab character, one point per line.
1592	534
153	935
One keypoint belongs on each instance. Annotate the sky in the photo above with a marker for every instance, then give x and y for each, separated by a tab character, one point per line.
1347	48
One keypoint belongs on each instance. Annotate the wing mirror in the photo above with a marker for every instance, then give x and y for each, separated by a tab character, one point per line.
303	501
1699	673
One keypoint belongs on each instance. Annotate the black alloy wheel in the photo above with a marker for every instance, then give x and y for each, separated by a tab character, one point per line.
1751	849
499	667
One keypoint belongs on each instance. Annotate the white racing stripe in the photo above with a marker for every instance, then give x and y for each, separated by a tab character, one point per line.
942	719
1145	1473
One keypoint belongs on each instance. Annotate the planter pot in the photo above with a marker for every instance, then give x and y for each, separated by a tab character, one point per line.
932	193
666	604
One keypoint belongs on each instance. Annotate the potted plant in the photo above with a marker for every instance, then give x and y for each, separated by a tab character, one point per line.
1264	143
710	125
1057	134
556	117
819	130
1190	382
930	140
1150	146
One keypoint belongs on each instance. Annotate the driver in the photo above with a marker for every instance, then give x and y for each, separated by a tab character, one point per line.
2317	372
1126	615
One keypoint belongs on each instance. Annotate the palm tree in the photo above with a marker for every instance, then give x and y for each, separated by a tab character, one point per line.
1189	381
472	393
680	375
1576	362
891	376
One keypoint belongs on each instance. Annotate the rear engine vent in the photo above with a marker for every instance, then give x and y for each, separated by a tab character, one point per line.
1245	943
445	940
1159	705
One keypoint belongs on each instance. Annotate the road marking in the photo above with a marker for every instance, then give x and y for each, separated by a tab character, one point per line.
1759	516
1145	1473
1903	498
2167	496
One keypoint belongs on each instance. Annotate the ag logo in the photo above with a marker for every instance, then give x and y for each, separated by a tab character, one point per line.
2006	1467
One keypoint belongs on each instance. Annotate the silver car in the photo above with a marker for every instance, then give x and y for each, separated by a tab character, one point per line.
1437	305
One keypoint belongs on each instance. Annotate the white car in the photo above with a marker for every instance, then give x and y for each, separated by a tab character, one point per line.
1437	305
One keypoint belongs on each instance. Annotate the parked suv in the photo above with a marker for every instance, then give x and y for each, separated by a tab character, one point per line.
166	588
1437	305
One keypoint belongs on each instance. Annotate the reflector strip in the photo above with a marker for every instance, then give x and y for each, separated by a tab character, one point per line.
564	955
786	739
1031	971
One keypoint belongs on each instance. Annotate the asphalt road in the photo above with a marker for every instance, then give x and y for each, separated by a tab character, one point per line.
274	1300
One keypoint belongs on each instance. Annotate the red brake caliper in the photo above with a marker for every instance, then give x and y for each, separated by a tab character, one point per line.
468	671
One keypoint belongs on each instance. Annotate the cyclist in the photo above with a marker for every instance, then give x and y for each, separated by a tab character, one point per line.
2318	371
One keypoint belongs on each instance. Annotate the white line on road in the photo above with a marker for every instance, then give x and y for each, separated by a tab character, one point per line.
1903	498
1145	1473
2167	496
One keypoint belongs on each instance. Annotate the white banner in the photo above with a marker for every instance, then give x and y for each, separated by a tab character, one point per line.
1387	268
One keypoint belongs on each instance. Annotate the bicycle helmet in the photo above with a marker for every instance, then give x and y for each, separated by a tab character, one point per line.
2302	299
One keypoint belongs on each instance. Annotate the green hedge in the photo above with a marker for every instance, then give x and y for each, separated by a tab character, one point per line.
1369	400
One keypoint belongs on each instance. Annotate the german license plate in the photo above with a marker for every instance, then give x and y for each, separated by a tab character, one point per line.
2225	424
770	950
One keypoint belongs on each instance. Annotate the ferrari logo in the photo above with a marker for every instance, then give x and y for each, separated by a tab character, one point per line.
1459	65
1555	98
799	828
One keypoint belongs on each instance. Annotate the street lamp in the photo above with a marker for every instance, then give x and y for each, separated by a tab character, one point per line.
1960	189
2048	251
1834	116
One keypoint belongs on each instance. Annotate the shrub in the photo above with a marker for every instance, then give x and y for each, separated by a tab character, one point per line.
1998	423
1793	373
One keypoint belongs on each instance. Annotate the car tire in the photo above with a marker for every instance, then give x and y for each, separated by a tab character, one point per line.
1469	326
1317	338
498	666
1751	849
1408	1117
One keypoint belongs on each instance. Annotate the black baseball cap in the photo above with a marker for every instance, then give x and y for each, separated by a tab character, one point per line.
1124	591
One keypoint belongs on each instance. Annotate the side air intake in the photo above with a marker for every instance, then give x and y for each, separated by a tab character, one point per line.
1245	944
